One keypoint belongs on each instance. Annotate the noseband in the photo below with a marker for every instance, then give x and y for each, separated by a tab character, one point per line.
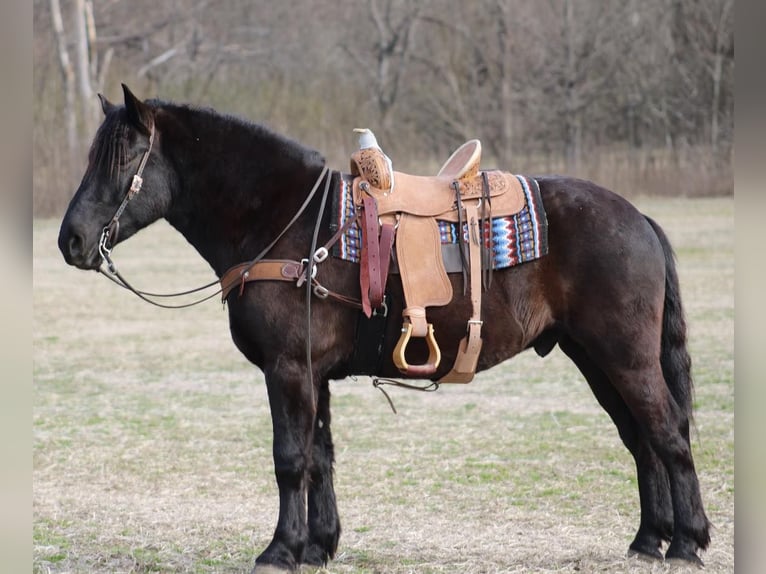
111	229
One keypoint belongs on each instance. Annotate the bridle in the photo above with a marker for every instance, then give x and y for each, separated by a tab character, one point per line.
109	235
111	229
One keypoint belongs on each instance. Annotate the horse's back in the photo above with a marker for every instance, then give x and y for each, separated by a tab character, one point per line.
598	237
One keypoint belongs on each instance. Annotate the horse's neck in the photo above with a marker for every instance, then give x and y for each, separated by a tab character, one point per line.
229	212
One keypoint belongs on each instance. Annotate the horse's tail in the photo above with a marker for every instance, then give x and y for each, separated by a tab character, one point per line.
674	357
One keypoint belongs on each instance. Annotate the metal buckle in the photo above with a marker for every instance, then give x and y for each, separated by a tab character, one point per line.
302	276
383	312
321	292
320	255
102	243
104	250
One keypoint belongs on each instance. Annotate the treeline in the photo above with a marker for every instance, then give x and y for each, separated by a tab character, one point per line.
634	94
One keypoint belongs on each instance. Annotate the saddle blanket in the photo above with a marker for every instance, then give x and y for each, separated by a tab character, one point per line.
515	239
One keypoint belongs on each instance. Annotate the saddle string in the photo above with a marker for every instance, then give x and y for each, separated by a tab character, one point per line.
487	220
379	382
460	241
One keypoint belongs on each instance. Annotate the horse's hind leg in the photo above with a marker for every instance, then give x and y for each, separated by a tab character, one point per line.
653	487
630	364
323	521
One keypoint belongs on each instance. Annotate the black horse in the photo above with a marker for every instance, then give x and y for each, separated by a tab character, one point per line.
607	293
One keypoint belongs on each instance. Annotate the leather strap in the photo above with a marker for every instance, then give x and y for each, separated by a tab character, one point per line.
459	204
277	270
470	346
265	269
370	256
375	256
486	228
387	234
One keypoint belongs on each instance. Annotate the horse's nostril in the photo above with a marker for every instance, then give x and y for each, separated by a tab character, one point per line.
72	245
75	245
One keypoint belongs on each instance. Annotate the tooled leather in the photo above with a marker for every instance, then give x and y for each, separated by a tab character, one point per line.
372	166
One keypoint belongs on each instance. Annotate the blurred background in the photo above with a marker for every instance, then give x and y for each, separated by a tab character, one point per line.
636	95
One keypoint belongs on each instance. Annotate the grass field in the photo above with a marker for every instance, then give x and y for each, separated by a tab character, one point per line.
152	436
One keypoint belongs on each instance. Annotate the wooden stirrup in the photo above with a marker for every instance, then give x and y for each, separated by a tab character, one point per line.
434	353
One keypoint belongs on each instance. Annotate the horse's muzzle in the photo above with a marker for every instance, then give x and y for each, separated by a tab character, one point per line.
76	249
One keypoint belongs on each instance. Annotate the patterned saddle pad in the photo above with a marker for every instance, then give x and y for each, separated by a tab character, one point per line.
515	239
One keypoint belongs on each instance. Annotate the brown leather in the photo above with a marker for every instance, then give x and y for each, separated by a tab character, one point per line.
373	165
276	270
418	252
387	235
273	269
460	192
434	196
375	257
470	346
370	256
463	163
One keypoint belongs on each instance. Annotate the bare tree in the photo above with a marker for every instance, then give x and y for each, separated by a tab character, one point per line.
83	75
68	79
383	56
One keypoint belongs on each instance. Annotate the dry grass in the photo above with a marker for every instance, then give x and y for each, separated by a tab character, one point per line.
152	436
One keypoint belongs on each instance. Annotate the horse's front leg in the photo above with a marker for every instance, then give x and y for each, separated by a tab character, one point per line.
323	521
293	406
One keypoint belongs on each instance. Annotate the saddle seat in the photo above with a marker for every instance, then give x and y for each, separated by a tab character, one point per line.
405	208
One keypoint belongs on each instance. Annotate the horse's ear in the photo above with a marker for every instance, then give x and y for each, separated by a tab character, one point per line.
106	105
139	114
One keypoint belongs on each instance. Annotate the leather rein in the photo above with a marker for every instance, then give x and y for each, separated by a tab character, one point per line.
257	268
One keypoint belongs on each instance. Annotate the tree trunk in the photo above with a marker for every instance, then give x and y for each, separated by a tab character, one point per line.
572	120
505	84
68	79
88	105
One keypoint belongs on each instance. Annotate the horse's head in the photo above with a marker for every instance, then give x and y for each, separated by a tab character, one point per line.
126	144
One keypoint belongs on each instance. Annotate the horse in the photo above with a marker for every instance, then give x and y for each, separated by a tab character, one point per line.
607	293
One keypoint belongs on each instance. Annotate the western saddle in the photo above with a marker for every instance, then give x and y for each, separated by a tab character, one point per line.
400	212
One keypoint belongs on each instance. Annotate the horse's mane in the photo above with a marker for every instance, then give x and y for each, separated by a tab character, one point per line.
224	133
233	132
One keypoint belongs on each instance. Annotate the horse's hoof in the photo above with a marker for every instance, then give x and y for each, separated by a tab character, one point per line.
686	559
315	556
645	554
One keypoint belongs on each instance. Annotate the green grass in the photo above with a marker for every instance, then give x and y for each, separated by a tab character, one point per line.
152	436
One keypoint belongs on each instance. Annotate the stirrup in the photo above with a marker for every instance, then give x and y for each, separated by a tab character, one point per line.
434	353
